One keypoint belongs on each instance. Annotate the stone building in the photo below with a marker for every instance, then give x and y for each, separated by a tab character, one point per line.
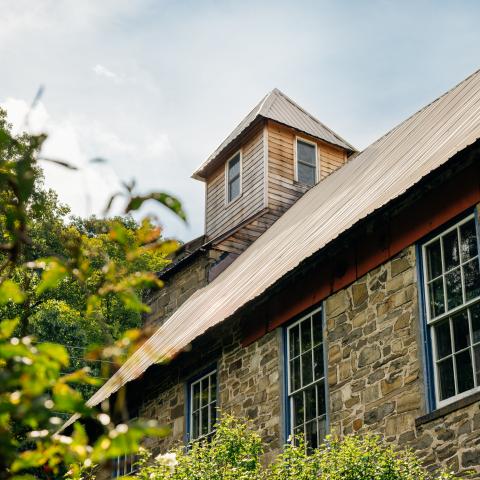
333	290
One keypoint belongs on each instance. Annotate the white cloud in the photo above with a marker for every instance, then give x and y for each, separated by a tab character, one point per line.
22	118
86	190
102	71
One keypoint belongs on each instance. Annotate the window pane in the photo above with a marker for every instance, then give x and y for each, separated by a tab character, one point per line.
450	250
322	429
437	301
195	425
306	174
317	328
472	279
446	379
318	362
196	396
234	167
306	335
322	408
477	364
461	331
205	428
434	260
310	403
306	153
311	435
464	371
468	237
453	282
297	409
213	387
234	189
204	393
475	316
444	344
295	380
213	416
307	368
294	339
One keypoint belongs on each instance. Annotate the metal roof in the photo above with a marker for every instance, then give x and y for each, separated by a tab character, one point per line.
379	174
277	106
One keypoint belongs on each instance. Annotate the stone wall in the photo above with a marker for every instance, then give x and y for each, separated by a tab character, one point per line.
375	370
178	287
248	379
375	375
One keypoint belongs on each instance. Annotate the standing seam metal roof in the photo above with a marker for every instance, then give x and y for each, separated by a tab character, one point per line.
382	172
280	108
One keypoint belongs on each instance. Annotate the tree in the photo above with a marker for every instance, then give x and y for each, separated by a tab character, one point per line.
235	452
58	279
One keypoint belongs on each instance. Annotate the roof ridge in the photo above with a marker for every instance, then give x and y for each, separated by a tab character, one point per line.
417	112
296	105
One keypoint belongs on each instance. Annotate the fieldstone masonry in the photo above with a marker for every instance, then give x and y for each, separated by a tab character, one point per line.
375	370
249	386
375	375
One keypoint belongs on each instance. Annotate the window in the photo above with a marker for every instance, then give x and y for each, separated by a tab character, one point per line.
124	465
452	293
306	162
234	172
306	378
203	406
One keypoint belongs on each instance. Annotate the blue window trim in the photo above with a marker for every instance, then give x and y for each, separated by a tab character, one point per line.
286	421
426	337
285	400
188	403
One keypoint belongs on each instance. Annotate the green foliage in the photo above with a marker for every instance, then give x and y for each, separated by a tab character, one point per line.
35	397
235	452
70	283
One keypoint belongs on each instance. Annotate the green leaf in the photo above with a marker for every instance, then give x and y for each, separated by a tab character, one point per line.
118	233
52	275
10	292
28	459
169	201
68	400
7	327
59	162
55	352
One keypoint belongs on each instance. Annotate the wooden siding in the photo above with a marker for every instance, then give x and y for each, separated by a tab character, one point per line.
283	190
246	234
263	205
222	217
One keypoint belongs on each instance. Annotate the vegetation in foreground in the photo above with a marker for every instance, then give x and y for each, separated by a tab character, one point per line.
70	283
235	452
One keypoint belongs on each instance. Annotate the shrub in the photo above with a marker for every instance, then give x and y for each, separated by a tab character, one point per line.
235	452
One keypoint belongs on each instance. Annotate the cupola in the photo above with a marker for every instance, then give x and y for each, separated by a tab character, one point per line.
276	153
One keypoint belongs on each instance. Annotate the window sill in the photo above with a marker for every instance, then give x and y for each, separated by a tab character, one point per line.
452	407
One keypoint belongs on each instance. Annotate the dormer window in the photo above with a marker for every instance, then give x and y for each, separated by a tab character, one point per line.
306	169
234	177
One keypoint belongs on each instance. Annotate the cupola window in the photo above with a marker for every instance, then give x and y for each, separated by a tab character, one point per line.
306	162
234	177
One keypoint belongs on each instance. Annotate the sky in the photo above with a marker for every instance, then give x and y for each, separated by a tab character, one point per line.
154	86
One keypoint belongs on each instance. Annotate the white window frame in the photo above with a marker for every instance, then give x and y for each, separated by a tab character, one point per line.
431	322
323	379
123	458
227	183
208	375
317	159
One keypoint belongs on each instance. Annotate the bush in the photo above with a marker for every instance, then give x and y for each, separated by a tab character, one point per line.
235	452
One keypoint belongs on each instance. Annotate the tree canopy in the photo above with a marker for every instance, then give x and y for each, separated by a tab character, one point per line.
64	284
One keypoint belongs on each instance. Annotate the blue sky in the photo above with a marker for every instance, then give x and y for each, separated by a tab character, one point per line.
155	86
